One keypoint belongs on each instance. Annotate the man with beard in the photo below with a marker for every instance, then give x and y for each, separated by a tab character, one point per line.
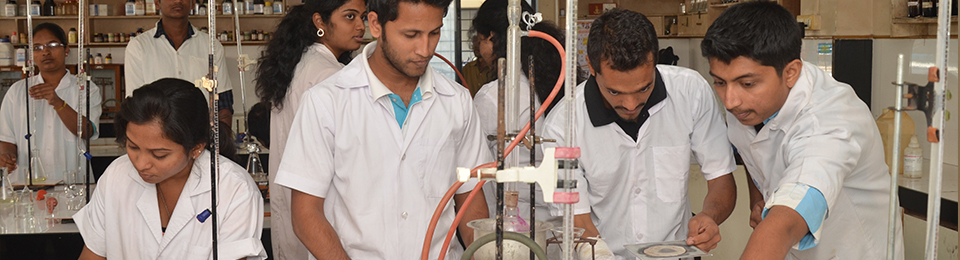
373	148
636	125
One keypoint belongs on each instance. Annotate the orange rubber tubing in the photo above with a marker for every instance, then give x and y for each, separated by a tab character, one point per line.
462	80
456	221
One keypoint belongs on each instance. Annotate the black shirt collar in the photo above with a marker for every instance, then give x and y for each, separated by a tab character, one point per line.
600	115
160	32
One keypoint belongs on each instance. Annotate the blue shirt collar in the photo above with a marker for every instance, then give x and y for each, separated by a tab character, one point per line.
160	32
771	117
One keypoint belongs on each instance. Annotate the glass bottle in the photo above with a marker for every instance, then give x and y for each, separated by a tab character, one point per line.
913	8
10	8
73	35
149	7
928	8
202	9
35	7
258	6
227	7
138	7
49	8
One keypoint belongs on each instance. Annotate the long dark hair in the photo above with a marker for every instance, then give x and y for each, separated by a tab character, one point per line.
491	20
294	34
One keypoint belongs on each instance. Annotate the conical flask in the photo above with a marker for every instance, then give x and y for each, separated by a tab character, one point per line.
37	173
255	168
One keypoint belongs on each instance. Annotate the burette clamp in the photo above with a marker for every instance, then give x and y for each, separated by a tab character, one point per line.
244	61
206	83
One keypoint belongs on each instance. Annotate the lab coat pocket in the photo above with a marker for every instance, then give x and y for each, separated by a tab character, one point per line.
671	166
437	173
199	252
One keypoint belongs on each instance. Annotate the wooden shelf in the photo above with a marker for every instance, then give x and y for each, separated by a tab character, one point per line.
157	17
124	44
65	17
920	20
722	5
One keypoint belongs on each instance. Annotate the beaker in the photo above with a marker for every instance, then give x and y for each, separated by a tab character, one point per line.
38	174
25	212
511	249
73	198
6	188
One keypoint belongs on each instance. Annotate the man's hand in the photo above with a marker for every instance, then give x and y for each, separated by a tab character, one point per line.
704	233
48	92
9	161
755	214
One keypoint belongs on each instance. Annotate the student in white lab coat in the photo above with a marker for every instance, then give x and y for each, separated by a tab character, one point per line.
374	148
490	26
53	95
150	203
304	51
636	125
176	49
819	185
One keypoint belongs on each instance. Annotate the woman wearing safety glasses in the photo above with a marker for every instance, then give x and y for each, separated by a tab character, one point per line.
53	94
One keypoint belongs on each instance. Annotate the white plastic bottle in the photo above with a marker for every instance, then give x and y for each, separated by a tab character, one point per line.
6	53
130	8
21	56
913	159
10	9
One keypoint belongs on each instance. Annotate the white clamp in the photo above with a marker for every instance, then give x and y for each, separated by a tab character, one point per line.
244	61
205	83
545	175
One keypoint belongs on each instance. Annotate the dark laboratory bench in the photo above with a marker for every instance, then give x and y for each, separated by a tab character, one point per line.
55	246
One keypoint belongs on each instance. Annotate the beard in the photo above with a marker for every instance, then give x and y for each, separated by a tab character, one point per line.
397	62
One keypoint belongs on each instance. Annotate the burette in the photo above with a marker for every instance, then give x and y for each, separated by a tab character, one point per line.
209	83
935	129
83	108
31	111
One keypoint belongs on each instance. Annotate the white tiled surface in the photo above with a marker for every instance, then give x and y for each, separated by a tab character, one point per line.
949	188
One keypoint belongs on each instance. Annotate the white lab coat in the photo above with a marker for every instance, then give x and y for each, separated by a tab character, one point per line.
122	220
148	59
58	149
316	64
637	190
825	137
382	183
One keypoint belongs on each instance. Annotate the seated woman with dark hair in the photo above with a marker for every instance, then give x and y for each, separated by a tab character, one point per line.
163	185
